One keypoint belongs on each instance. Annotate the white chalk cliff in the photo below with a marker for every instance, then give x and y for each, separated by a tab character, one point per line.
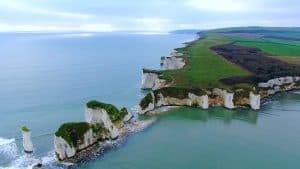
215	97
226	96
279	82
27	143
95	116
152	81
64	150
254	101
173	63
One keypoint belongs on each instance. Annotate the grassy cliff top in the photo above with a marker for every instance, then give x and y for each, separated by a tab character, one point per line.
206	68
114	113
73	132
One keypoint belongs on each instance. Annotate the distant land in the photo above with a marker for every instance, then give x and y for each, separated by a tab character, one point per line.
233	67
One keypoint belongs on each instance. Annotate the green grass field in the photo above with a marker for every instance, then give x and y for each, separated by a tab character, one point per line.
275	47
205	67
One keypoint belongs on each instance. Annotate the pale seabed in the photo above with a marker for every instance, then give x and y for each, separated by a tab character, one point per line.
46	79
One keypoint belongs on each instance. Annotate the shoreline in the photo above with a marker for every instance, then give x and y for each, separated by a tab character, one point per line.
99	148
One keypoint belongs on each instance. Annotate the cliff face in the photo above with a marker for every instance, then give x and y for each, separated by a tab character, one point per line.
218	97
27	143
100	116
222	98
152	81
276	85
173	63
195	98
66	146
103	122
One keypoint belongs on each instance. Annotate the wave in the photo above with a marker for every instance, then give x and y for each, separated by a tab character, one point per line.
27	161
8	148
14	159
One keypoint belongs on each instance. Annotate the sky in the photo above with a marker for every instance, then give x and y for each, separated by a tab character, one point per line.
144	15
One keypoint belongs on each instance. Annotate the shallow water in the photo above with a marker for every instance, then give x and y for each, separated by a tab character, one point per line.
45	80
215	139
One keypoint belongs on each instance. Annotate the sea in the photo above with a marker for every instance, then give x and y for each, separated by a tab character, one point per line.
47	78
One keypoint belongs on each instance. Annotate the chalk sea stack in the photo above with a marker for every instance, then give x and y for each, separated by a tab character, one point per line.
27	143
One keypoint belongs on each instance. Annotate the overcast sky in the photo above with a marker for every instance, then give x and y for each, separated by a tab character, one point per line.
144	15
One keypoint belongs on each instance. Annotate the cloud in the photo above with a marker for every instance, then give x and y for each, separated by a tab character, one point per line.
152	24
20	6
221	5
57	28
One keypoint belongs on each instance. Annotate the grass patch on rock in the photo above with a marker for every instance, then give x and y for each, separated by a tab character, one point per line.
114	113
73	133
146	101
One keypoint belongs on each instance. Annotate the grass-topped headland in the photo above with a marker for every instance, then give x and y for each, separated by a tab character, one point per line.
73	133
207	66
114	113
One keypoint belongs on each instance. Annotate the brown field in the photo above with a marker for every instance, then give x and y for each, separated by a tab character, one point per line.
288	59
255	61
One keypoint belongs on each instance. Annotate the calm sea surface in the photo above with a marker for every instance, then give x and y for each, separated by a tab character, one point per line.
46	79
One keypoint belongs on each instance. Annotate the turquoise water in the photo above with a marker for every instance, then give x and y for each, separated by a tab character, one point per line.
215	139
45	80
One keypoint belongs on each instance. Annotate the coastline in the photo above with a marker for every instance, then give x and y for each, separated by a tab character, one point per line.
98	150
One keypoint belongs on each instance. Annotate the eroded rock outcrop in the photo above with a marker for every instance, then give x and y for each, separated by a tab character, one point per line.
100	116
172	63
224	98
74	137
276	85
103	121
151	80
172	96
254	101
27	143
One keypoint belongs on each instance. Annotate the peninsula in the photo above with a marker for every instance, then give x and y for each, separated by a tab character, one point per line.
233	67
